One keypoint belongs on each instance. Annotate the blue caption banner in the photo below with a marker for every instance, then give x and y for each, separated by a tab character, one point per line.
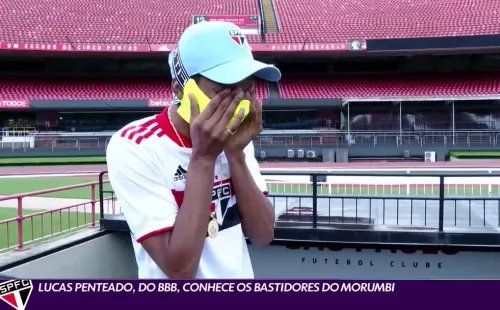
139	294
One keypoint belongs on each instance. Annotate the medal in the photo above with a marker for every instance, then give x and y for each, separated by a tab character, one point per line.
213	228
213	225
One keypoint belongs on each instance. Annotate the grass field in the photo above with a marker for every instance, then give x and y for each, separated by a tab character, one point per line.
10	186
39	227
387	190
17	185
52	160
486	153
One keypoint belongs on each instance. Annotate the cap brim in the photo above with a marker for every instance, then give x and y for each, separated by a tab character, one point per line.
236	71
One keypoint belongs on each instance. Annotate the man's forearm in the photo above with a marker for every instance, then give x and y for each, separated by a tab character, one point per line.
254	207
189	233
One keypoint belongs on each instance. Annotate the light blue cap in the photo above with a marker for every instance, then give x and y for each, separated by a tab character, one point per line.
218	51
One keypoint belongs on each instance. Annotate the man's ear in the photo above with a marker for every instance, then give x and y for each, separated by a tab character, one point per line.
176	89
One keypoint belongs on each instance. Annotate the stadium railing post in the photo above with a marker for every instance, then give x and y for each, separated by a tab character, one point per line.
20	223
441	203
315	200
92	205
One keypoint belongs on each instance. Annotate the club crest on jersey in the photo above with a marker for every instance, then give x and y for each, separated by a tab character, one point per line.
224	193
237	37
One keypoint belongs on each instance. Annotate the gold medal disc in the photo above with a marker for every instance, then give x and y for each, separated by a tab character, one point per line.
213	229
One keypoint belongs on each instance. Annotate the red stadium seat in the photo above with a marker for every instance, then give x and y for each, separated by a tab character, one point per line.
395	86
290	88
113	21
84	90
261	89
323	21
313	21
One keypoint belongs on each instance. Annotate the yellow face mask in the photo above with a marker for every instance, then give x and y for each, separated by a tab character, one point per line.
191	87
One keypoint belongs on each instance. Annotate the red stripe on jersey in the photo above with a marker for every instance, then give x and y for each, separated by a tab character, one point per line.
141	128
148	134
156	232
163	127
136	131
141	131
126	130
166	126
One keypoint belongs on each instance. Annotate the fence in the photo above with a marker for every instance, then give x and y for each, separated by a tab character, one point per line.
389	186
31	226
17	131
297	138
458	201
374	200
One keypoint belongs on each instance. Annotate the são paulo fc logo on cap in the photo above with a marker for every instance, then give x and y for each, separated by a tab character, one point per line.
16	293
237	37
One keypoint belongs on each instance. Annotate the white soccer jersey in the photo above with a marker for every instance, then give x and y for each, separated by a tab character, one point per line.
147	168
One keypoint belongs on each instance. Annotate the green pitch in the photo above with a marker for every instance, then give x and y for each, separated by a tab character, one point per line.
11	186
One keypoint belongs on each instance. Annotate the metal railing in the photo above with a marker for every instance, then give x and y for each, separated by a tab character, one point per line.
380	138
16	131
331	138
36	220
468	202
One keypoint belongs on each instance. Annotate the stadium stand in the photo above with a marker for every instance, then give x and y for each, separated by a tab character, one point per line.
113	21
368	100
82	90
391	86
290	88
333	21
93	89
118	21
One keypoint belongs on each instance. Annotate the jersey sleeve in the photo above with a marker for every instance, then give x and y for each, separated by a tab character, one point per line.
145	198
254	168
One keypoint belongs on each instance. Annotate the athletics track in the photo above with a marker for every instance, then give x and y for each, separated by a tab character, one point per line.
319	165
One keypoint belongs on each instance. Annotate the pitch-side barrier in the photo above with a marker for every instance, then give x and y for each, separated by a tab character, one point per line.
379	206
34	216
357	200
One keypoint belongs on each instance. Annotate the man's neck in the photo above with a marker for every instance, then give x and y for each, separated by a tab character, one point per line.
178	123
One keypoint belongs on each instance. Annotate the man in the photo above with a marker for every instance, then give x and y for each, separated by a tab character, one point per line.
190	192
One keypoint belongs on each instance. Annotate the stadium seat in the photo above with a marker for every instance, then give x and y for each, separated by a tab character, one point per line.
261	90
314	21
324	21
395	86
84	90
111	21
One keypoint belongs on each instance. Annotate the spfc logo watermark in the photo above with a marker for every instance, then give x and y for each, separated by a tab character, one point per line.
237	37
16	293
